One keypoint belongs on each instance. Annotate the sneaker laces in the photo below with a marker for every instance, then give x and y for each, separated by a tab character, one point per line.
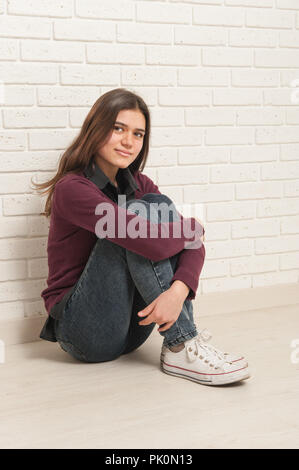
196	349
205	336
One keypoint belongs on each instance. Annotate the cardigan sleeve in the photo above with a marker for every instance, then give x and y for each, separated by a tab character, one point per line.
189	267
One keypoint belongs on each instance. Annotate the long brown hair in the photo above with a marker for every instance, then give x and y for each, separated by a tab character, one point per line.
96	128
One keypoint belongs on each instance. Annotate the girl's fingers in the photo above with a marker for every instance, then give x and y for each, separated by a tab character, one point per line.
146	321
142	314
166	326
145	312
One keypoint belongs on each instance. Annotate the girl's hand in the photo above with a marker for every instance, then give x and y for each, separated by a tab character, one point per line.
164	310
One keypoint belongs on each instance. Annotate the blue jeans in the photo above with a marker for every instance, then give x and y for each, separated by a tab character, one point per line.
100	322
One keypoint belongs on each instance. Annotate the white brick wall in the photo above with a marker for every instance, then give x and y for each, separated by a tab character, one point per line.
220	79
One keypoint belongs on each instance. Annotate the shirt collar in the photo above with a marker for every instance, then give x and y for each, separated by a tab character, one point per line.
124	178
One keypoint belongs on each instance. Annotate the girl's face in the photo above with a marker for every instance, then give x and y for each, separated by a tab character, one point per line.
127	136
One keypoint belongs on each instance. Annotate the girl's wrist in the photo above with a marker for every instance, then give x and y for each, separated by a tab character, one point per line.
180	289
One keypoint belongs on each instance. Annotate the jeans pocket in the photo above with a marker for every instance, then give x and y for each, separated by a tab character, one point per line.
72	350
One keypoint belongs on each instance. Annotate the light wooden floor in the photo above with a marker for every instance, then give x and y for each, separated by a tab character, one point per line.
49	400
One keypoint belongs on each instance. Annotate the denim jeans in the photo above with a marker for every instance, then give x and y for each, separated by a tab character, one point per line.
100	322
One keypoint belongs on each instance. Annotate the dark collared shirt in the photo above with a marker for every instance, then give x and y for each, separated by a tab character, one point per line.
72	235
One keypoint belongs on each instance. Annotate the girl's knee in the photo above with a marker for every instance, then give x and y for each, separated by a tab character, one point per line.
154	197
94	350
105	352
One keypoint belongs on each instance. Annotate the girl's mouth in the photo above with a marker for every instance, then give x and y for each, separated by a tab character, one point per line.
123	154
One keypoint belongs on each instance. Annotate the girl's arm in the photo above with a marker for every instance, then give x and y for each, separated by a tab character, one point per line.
75	201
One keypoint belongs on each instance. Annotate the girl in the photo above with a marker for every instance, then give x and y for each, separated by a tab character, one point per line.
107	285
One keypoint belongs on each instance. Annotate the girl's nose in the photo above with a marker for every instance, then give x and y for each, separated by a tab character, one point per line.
127	139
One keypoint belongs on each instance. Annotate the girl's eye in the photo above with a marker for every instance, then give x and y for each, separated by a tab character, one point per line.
138	133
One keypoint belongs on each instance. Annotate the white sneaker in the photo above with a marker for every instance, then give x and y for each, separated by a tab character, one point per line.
205	336
202	363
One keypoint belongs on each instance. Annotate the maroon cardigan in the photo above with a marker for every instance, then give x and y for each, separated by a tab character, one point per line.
72	236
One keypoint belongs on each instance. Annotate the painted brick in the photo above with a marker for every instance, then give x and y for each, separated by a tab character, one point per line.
34	118
28	161
115	54
89	74
25	27
255	78
9	49
289	152
276	207
234	173
84	30
12	270
166	136
203	36
144	33
12	140
22	248
259	190
59	8
67	96
241	37
229	136
288	277
18	95
219	15
276	58
183	175
145	76
163	13
260	117
250	3
232	211
28	73
184	96
203	77
12	183
260	18
209	193
20	290
13	226
204	155
277	135
239	97
117	10
172	55
289	261
259	264
255	228
51	140
38	268
58	51
287	4
227	57
210	116
254	153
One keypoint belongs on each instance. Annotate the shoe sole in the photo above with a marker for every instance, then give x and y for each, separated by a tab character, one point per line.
242	361
234	377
